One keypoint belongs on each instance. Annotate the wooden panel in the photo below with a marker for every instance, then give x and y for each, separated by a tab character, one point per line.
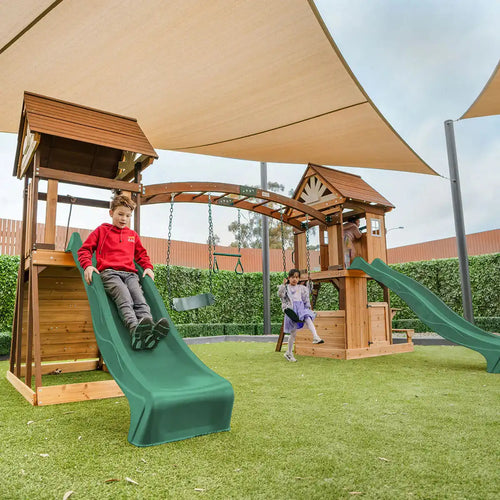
86	180
326	352
66	367
65	320
368	352
356	312
330	326
334	244
379	323
52	258
77	392
300	251
376	246
50	212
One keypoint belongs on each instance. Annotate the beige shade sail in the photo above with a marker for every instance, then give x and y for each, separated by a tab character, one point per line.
488	101
259	80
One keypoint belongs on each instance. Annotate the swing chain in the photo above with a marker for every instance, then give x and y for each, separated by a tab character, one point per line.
283	241
239	230
72	200
211	243
170	219
308	257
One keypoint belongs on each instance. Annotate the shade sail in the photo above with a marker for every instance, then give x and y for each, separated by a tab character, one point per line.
258	80
488	101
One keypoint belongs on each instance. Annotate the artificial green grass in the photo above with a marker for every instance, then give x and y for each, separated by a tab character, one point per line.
421	425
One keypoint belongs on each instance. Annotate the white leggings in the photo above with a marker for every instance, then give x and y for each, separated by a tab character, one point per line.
293	333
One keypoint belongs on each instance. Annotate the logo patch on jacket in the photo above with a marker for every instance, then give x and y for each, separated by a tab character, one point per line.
131	239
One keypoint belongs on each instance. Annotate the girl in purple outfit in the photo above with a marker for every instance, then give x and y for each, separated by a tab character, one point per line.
297	308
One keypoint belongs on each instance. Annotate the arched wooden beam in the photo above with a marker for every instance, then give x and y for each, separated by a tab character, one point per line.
195	192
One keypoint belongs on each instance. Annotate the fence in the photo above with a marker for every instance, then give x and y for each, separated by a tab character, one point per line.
477	244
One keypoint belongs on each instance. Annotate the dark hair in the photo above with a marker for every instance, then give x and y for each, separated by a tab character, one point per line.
292	272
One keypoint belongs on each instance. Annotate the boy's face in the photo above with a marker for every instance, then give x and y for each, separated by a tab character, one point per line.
121	216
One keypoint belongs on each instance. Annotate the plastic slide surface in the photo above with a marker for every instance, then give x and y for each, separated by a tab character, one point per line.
172	395
434	312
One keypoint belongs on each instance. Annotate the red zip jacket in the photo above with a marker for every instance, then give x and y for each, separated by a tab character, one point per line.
115	248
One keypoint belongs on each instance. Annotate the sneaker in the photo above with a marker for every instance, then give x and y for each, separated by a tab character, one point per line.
140	333
289	357
160	331
318	341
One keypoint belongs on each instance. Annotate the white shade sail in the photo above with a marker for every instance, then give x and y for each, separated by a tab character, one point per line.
258	80
488	101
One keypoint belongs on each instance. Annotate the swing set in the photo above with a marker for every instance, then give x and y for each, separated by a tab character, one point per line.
200	300
291	212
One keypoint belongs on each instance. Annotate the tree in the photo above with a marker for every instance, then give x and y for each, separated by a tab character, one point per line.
251	231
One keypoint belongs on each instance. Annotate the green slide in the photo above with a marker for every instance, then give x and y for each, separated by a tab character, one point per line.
434	312
172	395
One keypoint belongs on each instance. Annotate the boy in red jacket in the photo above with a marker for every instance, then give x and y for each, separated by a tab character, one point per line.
116	247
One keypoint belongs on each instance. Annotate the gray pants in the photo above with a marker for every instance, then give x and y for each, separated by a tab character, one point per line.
126	291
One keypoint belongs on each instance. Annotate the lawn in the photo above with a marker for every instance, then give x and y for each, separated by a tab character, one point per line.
421	425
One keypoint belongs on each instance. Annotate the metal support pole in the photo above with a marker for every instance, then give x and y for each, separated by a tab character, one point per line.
266	283
456	195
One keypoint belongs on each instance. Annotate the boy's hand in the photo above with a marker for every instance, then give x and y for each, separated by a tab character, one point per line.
87	274
149	272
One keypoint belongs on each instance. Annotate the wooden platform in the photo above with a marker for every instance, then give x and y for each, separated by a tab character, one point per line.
330	326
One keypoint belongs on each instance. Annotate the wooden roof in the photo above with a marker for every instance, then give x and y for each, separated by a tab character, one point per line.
349	186
72	121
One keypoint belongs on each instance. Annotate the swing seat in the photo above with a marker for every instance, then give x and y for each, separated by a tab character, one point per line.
194	302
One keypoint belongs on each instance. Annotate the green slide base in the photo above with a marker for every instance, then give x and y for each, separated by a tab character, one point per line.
434	312
172	395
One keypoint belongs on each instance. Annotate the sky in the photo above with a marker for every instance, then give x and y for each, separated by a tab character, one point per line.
421	62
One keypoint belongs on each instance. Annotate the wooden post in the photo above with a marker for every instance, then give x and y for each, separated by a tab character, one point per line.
34	200
356	312
335	254
29	333
279	342
300	251
17	324
35	322
137	215
50	213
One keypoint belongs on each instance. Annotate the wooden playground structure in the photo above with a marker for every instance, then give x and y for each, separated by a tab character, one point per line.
52	327
73	144
358	328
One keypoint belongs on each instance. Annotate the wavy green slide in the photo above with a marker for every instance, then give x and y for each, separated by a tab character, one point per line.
434	312
172	395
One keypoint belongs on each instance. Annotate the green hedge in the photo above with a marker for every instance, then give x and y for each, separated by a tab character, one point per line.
4	343
239	298
8	278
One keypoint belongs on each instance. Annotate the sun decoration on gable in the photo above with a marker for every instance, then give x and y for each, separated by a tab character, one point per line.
315	191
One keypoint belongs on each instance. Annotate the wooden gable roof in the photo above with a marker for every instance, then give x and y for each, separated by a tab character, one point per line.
63	119
46	116
342	186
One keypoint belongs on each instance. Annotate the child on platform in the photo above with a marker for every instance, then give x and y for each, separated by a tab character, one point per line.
116	247
297	308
